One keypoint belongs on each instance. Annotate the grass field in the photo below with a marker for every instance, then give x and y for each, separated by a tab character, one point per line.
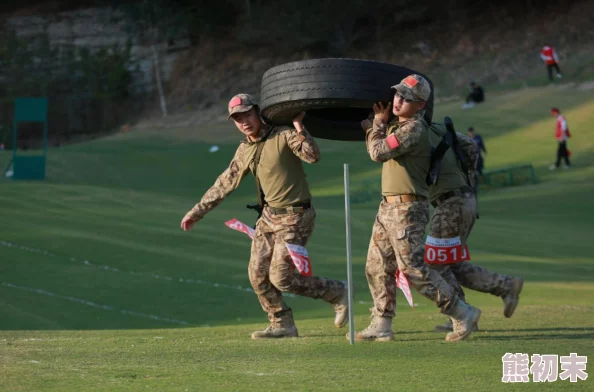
100	290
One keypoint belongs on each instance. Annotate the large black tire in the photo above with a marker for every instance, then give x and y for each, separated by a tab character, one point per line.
337	94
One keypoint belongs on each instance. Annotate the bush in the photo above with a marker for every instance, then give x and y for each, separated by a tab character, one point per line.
86	89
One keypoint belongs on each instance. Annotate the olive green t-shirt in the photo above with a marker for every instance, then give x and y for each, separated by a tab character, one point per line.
280	171
405	150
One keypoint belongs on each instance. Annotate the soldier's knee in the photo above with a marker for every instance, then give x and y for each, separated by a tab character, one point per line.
373	267
260	282
283	282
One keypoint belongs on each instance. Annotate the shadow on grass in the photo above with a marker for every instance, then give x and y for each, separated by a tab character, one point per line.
559	329
538	337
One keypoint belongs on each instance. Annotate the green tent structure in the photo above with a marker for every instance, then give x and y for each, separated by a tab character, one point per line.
28	166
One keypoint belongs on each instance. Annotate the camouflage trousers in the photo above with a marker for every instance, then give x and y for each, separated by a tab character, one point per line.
271	269
397	242
452	218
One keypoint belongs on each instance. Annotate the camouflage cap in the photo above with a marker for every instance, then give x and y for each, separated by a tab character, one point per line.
241	103
414	87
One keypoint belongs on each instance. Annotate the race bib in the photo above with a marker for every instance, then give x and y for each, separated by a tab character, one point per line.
240	226
300	259
298	253
445	250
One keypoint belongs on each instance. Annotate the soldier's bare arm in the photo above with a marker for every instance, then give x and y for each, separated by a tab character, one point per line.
382	148
226	183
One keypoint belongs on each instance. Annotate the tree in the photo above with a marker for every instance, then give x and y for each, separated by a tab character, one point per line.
155	22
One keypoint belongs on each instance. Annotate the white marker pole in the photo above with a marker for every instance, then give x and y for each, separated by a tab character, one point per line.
347	209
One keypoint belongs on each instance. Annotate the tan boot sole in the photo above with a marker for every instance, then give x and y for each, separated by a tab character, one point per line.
340	322
388	338
518	286
443	328
453	337
273	337
343	323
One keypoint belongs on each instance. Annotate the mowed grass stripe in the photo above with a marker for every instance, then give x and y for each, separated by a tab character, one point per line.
117	203
136	292
224	359
30	310
91	304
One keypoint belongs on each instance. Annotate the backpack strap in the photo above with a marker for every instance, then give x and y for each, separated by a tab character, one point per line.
457	149
260	192
460	156
437	154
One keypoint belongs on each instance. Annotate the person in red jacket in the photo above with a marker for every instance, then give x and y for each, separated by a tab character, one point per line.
561	134
549	56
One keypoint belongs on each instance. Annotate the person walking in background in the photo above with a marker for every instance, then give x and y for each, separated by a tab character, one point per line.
476	95
549	56
561	134
478	140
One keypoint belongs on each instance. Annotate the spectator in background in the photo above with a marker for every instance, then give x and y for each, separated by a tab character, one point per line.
549	56
478	140
476	95
561	134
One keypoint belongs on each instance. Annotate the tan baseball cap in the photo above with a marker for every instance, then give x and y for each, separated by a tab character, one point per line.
241	103
414	87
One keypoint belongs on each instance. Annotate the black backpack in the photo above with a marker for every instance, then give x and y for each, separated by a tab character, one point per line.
449	140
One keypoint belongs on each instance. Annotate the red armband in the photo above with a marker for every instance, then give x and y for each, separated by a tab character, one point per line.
392	142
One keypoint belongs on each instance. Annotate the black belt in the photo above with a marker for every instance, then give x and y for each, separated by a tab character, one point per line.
295	208
450	194
403	198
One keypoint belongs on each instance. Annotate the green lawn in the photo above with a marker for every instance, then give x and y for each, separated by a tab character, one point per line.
100	290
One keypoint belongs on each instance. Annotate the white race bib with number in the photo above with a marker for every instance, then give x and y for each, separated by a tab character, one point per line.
300	259
298	253
445	250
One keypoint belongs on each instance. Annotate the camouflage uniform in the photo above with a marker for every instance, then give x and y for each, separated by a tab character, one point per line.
398	231
271	268
288	217
454	215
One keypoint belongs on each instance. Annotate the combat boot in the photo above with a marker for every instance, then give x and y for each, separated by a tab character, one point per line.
512	297
464	318
379	330
341	307
281	326
448	326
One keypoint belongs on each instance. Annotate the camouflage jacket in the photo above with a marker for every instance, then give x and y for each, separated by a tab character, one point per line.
405	150
281	175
